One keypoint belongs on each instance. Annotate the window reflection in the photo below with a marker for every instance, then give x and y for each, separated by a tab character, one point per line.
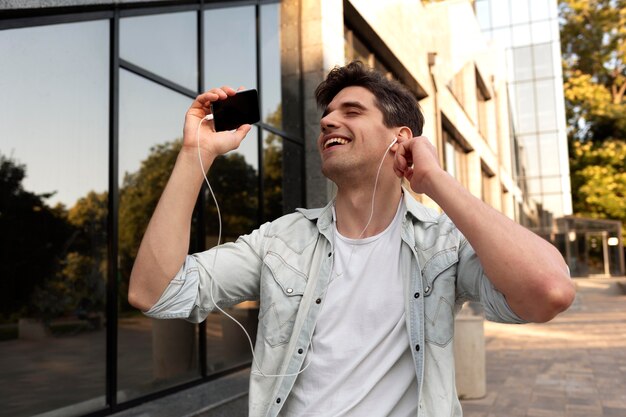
150	132
546	107
455	159
272	176
525	97
164	44
234	178
542	60
53	212
271	108
230	47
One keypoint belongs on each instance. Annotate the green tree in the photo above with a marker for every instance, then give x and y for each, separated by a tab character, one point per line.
34	238
599	178
233	180
593	41
273	169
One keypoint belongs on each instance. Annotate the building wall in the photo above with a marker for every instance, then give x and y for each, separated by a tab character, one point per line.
113	109
528	30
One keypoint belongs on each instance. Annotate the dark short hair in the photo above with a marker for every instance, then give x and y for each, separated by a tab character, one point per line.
398	105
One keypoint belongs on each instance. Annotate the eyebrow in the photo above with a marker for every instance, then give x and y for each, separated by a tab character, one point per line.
347	104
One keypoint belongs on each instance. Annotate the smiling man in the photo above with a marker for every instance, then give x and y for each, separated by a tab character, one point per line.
357	299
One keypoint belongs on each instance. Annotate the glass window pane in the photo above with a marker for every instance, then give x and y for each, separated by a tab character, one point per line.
54	84
539	10
519	11
546	107
502	36
500	13
234	178
542	57
542	31
282	176
149	141
525	103
273	176
523	63
450	159
483	13
534	187
230	47
549	148
271	108
552	184
164	44
530	155
521	35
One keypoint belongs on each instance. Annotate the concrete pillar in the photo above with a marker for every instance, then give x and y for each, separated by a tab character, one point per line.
469	355
312	39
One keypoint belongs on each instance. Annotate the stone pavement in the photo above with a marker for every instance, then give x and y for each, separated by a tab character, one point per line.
573	366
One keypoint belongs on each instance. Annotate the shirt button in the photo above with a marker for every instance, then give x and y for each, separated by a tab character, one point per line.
416	295
417	348
289	290
277	400
319	300
330	254
300	351
427	290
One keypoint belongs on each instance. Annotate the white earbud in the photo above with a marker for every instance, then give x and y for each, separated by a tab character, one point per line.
395	139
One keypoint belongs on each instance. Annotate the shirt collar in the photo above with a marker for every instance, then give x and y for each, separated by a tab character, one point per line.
324	216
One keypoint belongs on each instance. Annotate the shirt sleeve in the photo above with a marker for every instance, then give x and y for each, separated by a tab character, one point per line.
474	285
223	276
179	297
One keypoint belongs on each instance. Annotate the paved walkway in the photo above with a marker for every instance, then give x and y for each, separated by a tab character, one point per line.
574	366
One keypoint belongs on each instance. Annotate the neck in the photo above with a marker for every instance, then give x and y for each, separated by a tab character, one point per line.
353	207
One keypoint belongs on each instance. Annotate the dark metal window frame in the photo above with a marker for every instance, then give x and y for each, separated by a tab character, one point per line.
24	18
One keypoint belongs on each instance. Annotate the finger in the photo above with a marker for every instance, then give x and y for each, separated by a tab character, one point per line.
213	94
242	131
408	174
229	90
241	88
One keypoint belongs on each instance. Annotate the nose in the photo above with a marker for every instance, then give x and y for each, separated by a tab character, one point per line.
328	122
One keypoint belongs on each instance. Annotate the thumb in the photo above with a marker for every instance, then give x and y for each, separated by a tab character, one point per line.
242	131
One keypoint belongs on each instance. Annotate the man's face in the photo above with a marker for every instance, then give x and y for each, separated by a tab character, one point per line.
353	138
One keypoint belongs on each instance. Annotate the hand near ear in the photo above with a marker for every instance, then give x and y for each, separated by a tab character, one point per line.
416	160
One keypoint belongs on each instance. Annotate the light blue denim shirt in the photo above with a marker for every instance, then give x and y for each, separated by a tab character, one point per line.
286	265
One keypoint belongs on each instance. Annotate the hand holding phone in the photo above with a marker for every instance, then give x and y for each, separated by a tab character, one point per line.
237	110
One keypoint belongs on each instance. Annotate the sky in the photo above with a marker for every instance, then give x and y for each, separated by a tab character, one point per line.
55	87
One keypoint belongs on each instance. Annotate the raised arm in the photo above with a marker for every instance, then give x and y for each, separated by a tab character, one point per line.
527	269
166	241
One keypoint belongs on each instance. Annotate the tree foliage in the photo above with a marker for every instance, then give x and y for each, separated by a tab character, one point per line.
593	41
34	238
54	261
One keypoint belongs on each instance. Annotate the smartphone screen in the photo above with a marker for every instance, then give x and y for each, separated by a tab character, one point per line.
237	110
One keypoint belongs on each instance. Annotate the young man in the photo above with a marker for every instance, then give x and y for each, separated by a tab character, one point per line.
357	299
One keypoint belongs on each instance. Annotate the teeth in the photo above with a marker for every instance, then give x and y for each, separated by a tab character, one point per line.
335	141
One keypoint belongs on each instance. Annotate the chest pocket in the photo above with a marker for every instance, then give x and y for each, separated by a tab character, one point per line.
439	275
282	287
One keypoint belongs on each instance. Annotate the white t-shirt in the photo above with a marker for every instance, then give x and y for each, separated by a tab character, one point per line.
360	357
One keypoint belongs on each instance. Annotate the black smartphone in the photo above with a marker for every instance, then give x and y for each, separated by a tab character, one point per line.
237	110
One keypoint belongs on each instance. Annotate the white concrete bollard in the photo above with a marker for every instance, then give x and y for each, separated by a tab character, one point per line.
469	354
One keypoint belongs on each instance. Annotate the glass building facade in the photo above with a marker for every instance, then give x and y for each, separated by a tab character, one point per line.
91	114
529	32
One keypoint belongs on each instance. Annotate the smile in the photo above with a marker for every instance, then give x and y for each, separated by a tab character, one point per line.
334	142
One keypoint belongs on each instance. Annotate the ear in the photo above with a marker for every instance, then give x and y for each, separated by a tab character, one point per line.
404	133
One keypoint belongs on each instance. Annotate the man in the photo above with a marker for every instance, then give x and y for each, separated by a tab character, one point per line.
357	300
